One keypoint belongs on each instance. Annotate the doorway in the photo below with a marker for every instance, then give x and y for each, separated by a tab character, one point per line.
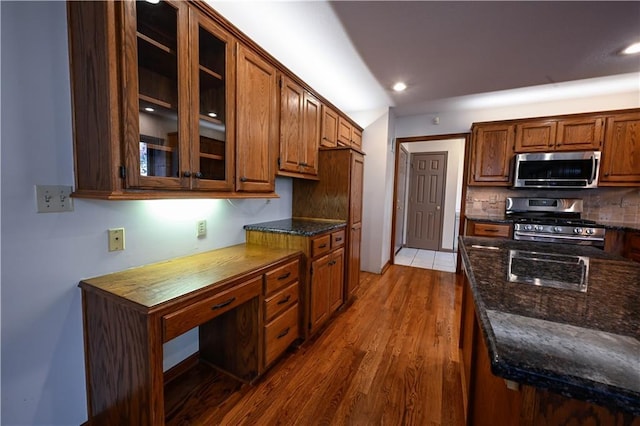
456	147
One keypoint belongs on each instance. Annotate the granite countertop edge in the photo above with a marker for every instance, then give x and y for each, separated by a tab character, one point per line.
296	226
566	385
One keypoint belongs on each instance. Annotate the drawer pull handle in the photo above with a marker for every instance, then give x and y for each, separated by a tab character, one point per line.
322	246
285	300
284	332
284	276
491	230
223	304
338	239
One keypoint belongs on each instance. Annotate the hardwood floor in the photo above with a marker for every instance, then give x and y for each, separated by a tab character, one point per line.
390	359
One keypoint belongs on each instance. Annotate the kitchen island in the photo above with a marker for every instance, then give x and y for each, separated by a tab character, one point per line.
549	332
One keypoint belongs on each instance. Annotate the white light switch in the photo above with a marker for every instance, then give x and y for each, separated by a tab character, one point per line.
53	198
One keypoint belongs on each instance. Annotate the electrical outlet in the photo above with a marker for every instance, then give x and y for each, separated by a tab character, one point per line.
116	239
201	229
53	199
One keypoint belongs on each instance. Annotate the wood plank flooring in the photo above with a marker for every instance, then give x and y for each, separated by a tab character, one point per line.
391	358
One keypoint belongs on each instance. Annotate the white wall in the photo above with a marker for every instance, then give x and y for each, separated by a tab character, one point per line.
453	189
45	255
460	120
377	197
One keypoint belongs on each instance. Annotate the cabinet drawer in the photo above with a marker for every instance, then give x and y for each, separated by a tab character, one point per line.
492	230
337	239
280	333
176	323
320	245
280	301
281	276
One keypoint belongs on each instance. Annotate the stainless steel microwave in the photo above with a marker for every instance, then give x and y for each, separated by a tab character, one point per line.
557	170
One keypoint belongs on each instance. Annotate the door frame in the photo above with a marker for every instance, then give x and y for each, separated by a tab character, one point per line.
399	152
465	172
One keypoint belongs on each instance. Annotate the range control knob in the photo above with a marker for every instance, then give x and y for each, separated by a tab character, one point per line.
528	227
577	230
557	229
539	228
589	231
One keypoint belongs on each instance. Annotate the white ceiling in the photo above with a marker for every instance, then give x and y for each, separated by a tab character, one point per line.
353	51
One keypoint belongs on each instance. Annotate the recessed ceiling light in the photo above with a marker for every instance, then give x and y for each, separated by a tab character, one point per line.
149	109
634	48
153	1
399	86
212	114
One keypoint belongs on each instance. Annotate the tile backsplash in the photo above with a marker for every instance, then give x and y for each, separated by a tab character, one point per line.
600	204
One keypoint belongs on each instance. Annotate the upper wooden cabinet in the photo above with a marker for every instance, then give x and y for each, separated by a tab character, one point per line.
348	134
329	136
571	134
153	89
492	154
621	153
300	120
257	122
170	100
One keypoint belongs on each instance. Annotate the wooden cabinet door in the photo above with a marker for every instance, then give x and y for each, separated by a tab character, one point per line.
256	130
212	147
535	136
579	134
356	138
319	295
156	115
621	151
310	137
300	118
632	246
353	266
492	152
355	223
291	122
336	290
329	136
344	132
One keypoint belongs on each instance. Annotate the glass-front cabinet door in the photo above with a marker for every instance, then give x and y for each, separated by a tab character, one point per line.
156	114
212	74
177	99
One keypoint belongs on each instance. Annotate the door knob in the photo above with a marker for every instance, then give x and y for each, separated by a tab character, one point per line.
437	207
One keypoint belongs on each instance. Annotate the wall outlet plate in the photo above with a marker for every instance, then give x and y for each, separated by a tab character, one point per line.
201	229
53	199
116	239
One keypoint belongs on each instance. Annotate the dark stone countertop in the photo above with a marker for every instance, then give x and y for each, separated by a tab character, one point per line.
296	226
581	344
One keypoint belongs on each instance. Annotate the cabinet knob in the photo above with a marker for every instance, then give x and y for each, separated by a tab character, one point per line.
199	175
243	179
186	174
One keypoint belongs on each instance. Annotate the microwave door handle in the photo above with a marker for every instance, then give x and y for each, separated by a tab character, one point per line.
594	168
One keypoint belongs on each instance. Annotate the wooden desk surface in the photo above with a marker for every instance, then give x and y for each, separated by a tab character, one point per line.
152	285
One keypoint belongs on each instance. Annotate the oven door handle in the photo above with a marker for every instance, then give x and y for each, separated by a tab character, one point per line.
564	237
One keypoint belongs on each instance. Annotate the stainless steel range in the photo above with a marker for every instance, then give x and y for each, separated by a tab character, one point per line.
553	220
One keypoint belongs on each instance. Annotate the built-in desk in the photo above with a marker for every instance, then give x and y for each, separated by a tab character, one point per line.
128	316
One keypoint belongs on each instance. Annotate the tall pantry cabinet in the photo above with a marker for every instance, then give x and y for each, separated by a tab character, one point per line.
337	195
